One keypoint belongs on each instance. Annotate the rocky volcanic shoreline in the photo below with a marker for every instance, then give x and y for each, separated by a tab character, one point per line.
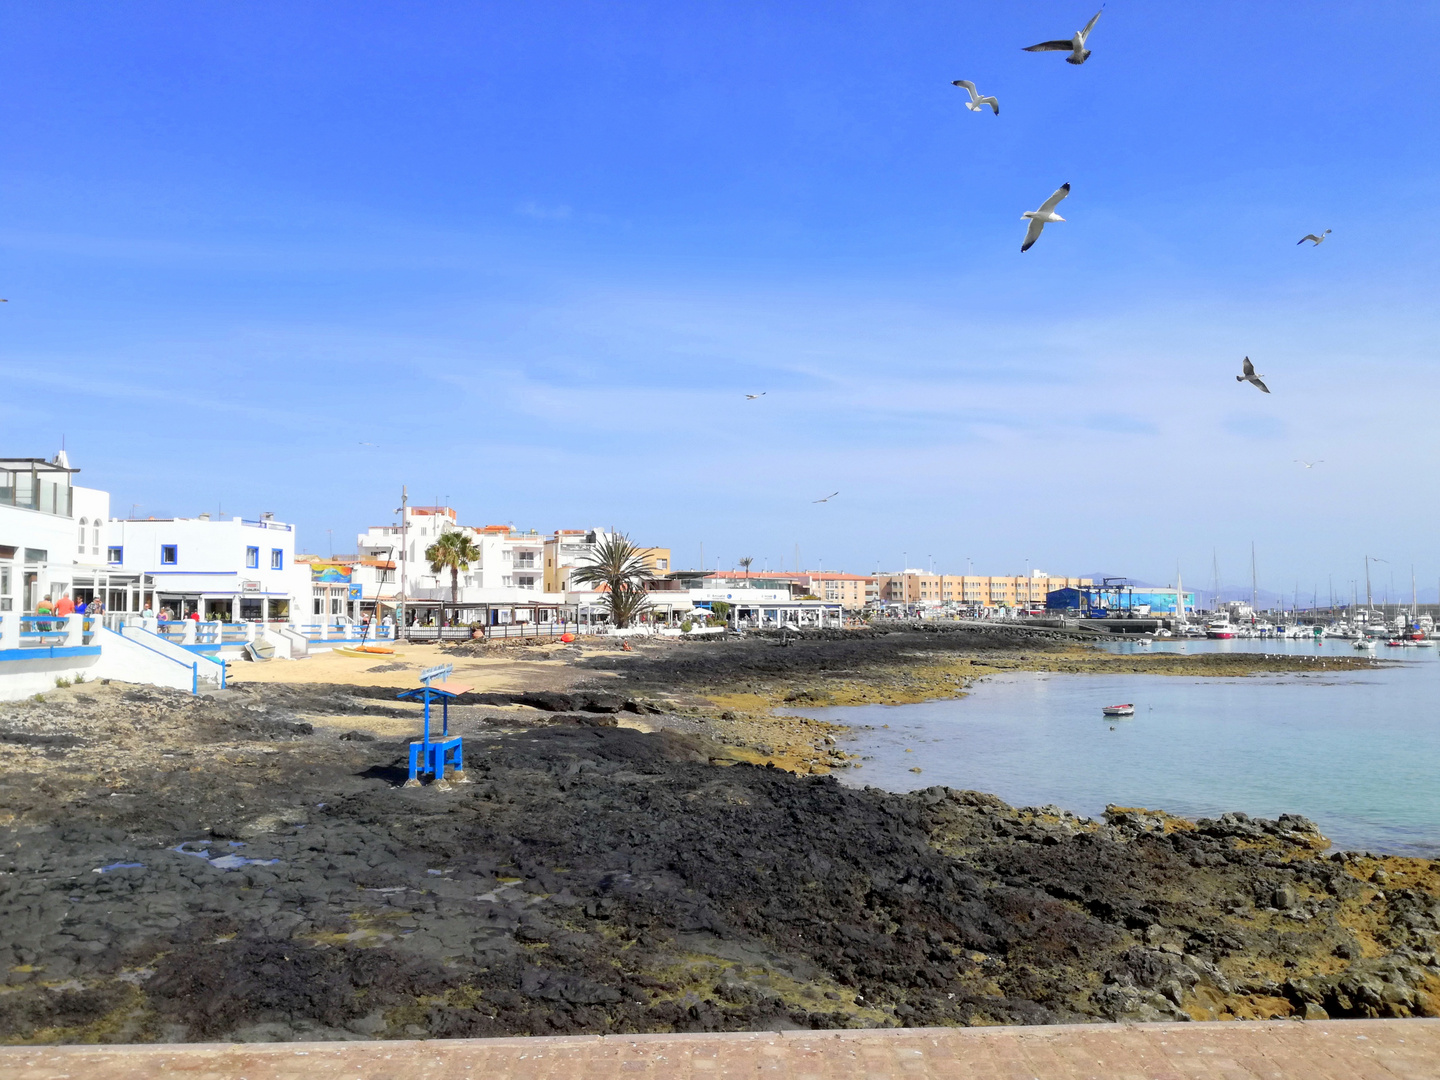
247	867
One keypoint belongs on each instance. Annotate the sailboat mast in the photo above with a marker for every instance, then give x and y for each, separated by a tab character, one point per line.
1254	590
1369	601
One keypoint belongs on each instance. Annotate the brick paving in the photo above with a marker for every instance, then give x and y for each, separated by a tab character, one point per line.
1271	1050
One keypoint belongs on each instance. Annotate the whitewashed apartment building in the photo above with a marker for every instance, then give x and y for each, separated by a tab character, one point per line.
503	584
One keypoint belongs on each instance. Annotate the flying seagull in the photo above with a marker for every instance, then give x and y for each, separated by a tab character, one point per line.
367	444
1251	377
1046	213
976	102
752	397
1074	46
1311	236
1309	464
827	498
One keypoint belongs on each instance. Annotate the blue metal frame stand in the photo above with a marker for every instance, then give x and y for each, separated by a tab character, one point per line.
427	757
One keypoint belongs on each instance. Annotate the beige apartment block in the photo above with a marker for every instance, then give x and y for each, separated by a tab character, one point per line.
1012	591
851	591
568	549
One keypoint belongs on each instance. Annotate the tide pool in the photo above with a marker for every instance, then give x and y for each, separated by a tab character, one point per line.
1358	752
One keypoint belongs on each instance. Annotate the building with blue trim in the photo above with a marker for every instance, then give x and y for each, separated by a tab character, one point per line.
1113	600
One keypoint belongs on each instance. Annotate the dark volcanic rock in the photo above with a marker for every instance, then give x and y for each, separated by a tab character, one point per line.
594	878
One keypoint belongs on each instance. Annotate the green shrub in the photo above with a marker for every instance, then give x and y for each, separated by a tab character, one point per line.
61	681
686	626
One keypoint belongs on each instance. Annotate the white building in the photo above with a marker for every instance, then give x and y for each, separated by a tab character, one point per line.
504	583
52	533
228	570
54	542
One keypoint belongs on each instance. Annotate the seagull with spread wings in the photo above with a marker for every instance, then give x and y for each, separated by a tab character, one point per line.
752	397
1308	464
1075	46
1039	218
827	498
1318	240
976	102
1251	377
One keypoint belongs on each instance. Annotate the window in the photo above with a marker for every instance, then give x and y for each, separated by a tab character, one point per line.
83	522
334	606
5	588
252	558
319	609
277	559
115	554
169	554
662	564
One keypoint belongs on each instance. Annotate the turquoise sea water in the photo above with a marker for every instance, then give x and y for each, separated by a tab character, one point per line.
1358	752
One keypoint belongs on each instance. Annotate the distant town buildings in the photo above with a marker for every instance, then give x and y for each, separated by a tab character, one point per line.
244	579
1013	591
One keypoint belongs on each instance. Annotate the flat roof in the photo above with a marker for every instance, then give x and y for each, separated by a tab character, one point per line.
34	464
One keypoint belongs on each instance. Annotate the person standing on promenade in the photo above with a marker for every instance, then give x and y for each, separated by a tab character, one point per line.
64	606
44	607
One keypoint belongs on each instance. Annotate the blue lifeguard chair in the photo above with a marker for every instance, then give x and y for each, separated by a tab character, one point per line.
431	757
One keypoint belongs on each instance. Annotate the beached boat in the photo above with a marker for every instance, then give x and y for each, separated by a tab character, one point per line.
260	650
364	650
1119	710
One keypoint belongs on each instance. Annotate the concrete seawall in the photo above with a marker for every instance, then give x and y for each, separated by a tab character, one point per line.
1269	1050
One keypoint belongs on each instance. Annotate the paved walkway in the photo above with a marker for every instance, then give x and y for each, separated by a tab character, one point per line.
1273	1050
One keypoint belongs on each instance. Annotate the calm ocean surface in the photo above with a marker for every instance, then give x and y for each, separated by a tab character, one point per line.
1357	752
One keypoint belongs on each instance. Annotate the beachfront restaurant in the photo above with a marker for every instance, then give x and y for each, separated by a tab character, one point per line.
768	608
513	619
220	597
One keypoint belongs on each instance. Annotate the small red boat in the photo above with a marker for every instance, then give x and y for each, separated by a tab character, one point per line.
1119	710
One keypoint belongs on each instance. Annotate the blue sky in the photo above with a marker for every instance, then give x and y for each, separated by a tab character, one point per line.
538	253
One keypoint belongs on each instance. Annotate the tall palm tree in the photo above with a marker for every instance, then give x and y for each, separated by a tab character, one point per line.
746	561
454	551
621	568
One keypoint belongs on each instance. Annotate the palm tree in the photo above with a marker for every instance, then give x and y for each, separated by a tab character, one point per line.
454	551
620	567
745	563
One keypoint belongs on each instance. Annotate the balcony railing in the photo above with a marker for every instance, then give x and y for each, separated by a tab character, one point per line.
30	493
